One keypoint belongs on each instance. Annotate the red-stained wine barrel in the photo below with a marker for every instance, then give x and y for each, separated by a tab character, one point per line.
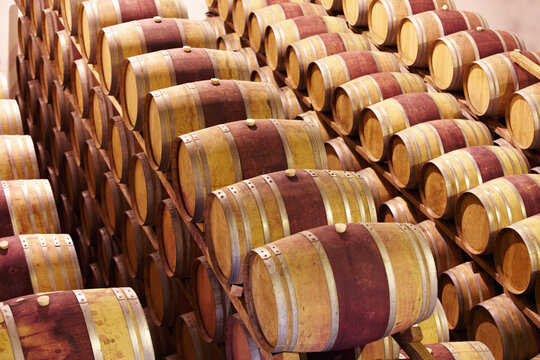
65	53
66	324
18	158
462	49
121	147
85	254
10	118
82	82
90	218
95	15
445	178
241	150
399	210
522	117
135	244
380	121
462	287
113	203
100	113
106	248
211	305
78	134
504	329
341	157
396	255
119	42
411	148
314	119
94	166
72	178
189	344
470	350
416	34
269	207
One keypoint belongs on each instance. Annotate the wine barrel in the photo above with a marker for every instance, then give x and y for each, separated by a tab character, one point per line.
435	328
351	98
100	113
445	252
218	156
44	123
18	158
380	121
119	42
522	117
113	203
323	253
280	35
145	73
61	106
78	136
65	53
10	118
51	24
144	189
38	263
341	157
500	325
470	350
229	42
45	77
94	278
33	94
29	206
251	58
416	34
69	11
325	74
264	74
118	277
106	248
356	12
21	103
177	110
67	324
135	244
489	83
90	217
189	344
452	54
95	15
23	35
238	342
85	254
224	8
411	148
516	255
261	18
177	246
162	337
73	179
217	24
161	292
400	210
462	287
211	305
266	208
378	186
444	179
313	118
59	145
94	166
54	182
290	102
23	75
68	222
121	147
82	82
384	16
34	55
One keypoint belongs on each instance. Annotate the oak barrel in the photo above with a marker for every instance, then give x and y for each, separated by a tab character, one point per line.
264	74
51	24
45	77
397	255
280	35
72	179
212	158
18	158
266	208
229	42
90	217
100	115
325	74
341	157
34	55
94	166
435	328
118	276
144	189
61	106
23	75
10	118
238	342
291	105
443	179
452	54
217	24
522	117
469	350
65	53
162	337
380	121
94	15
43	160
77	323
45	123
135	244
379	187
82	82
417	33
118	42
113	203
121	147
78	134
411	148
178	110
386	348
23	34
106	248
189	344
59	145
54	182
69	11
399	209
314	119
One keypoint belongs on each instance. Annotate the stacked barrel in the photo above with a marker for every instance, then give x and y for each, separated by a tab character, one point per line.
298	185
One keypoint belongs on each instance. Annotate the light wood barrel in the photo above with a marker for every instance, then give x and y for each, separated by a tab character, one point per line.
411	148
303	52
224	8
380	188
211	305
517	255
217	24
356	11
280	35
82	82
28	207
145	73
445	178
43	161
291	105
341	156
106	248
266	208
100	113
45	76
386	348
54	182
241	150
189	344
380	121
325	74
161	292
67	323
61	106
119	42
94	166
135	244
264	74
21	106
476	219
144	189
113	203
452	54
69	11
65	53
23	34
261	18
18	158
121	147
500	325
10	118
178	110
489	83
462	287
95	15
351	98
399	210
313	118
229	42
320	253
333	5
251	58
73	179
416	34
435	328
469	350
51	24
78	136
34	56
445	252
523	117
177	246
384	16
90	218
33	94
43	263
23	75
238	342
